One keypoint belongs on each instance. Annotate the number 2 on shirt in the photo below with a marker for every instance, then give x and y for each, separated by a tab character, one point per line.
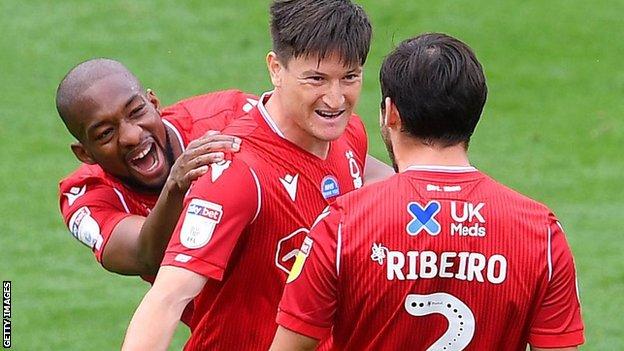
460	318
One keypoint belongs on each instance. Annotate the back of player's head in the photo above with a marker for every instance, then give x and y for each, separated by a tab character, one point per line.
80	78
304	28
438	87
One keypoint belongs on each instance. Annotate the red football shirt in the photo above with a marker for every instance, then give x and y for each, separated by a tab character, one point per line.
435	258
93	202
243	224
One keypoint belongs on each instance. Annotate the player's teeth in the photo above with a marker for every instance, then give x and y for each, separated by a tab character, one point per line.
142	154
327	114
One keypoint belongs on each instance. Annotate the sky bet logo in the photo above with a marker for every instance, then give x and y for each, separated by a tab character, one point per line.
203	211
423	218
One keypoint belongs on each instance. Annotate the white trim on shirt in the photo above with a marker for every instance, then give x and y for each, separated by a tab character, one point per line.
176	132
255	177
121	198
338	248
549	257
267	117
442	169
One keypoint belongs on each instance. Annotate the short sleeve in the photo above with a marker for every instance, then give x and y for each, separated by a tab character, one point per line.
217	210
558	321
91	212
308	304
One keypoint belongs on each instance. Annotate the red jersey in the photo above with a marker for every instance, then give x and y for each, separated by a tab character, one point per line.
93	202
432	259
243	224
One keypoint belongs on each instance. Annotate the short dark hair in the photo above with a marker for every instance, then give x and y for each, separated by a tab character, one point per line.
80	78
320	28
438	86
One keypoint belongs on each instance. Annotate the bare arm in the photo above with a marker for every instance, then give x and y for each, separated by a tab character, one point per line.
559	349
137	244
287	340
156	318
376	170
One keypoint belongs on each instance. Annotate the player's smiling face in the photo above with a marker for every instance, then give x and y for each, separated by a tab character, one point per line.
122	131
319	95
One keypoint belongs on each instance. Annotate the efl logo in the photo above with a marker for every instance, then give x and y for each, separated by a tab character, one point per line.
206	212
6	314
199	223
423	218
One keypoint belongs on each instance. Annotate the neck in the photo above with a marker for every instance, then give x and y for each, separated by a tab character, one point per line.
174	143
412	152
291	131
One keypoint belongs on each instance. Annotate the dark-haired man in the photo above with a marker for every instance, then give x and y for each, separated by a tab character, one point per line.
242	225
439	256
138	161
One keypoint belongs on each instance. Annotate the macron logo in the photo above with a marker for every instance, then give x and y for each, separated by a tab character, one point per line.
290	183
74	193
218	169
249	105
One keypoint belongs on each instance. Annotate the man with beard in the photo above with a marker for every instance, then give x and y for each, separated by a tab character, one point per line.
439	256
244	222
138	161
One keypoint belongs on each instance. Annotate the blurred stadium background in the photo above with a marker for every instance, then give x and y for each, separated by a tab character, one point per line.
552	129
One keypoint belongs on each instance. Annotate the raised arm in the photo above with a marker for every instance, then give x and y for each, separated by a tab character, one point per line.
137	244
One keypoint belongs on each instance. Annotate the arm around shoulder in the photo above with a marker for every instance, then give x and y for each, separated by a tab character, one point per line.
376	171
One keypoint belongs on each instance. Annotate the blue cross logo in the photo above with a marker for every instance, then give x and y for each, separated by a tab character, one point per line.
423	218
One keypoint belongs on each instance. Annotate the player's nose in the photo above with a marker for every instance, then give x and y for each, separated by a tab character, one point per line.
129	134
334	97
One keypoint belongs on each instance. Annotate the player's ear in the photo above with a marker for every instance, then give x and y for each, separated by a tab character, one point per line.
275	68
391	116
81	153
153	99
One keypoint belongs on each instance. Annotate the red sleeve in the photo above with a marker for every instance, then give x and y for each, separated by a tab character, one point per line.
91	212
308	304
195	116
216	211
558	321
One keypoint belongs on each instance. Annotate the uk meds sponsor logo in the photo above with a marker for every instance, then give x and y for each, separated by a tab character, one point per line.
423	218
469	221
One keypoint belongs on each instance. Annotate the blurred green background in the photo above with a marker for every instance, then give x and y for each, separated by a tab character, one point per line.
552	129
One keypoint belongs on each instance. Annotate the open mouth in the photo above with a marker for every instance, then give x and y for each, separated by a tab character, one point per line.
145	158
329	114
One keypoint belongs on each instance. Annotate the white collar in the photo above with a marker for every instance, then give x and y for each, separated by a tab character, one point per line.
441	169
176	132
267	117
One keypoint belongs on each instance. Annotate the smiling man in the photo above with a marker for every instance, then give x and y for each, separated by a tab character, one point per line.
439	256
138	161
243	223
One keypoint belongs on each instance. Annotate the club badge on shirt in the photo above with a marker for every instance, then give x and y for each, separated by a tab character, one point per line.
303	254
199	223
